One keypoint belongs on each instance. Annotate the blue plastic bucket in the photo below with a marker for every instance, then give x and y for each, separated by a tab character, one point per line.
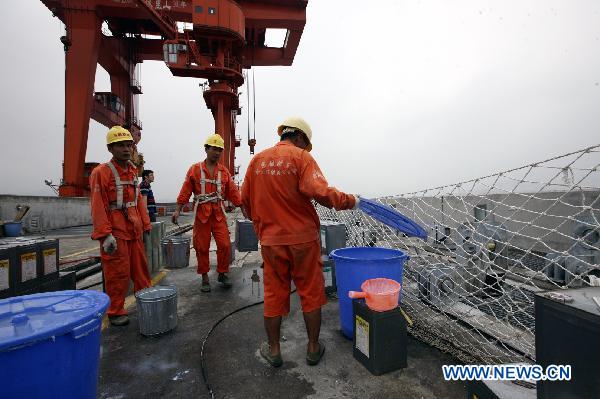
12	229
353	266
50	344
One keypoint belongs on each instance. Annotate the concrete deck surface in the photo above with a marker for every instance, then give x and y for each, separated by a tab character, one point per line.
169	365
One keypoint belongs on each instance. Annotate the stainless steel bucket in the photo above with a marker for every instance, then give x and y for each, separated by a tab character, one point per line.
176	251
157	309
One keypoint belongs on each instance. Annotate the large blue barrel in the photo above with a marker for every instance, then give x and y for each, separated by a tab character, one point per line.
353	266
50	344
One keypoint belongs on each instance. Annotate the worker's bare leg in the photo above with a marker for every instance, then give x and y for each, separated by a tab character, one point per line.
273	328
313	329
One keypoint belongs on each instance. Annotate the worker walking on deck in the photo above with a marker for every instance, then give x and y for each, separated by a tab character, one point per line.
212	184
278	188
120	217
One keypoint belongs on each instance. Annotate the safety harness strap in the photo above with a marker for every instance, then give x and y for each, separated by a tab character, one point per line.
118	204
215	196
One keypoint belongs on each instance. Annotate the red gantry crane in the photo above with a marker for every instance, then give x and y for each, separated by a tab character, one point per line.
226	37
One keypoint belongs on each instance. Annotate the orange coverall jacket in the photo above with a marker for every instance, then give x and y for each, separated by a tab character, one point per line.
191	185
126	225
279	185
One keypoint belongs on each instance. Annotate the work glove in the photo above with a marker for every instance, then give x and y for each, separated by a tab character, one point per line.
174	218
109	245
357	201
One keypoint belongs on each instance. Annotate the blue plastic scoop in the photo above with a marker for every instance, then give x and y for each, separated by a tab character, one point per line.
392	218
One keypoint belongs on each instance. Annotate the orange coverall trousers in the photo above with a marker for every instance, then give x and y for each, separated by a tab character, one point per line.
202	233
300	263
127	262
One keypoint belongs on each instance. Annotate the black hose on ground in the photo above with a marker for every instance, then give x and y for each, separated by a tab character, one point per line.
202	363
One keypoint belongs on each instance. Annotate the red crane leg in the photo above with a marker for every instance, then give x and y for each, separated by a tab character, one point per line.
232	123
81	59
119	85
222	101
223	127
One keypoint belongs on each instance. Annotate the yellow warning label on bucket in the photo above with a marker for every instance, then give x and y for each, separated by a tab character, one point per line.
362	335
49	261
4	273
28	266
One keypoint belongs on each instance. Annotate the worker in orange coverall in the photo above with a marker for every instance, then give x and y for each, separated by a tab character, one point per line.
120	218
278	188
211	184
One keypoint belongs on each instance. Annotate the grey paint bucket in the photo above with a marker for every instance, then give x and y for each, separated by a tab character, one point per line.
157	309
176	252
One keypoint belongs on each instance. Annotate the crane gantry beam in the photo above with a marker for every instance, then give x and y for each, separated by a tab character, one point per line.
226	37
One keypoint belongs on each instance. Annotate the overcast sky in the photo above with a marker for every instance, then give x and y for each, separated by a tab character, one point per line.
401	95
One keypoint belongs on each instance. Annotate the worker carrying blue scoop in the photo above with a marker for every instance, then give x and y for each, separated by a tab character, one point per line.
278	188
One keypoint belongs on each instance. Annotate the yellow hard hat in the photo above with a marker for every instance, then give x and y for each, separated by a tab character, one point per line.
298	123
215	140
118	133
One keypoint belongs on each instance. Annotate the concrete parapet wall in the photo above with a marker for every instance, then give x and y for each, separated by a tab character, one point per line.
46	213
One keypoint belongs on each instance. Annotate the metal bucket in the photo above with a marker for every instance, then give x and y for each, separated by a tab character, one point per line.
157	308
176	251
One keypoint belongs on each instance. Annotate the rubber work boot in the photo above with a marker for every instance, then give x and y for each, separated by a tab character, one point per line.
224	280
119	320
205	286
312	359
265	352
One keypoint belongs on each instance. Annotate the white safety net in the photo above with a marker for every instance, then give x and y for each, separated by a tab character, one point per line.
494	242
